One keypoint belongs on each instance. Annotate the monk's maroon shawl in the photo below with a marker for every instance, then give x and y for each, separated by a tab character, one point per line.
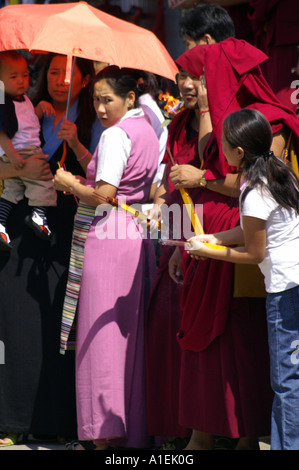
275	25
276	20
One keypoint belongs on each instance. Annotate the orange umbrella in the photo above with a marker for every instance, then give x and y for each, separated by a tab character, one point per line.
80	30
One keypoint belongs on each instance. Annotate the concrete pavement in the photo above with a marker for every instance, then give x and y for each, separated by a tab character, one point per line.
33	444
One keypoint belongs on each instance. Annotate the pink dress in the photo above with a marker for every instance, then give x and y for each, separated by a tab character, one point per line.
118	273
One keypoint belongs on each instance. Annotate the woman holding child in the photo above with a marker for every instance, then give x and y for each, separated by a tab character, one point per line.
37	390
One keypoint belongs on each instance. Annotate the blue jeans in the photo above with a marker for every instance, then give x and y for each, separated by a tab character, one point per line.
283	337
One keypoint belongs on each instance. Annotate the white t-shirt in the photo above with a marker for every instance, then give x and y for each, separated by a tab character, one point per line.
281	263
28	132
156	118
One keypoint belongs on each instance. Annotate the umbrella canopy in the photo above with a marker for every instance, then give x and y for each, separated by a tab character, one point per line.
78	29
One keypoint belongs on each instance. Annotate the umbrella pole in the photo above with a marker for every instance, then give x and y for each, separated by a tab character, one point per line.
70	88
61	163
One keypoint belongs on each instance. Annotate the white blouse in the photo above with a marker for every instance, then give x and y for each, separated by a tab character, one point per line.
114	150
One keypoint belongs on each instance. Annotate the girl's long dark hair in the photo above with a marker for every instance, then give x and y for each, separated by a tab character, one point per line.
250	130
86	111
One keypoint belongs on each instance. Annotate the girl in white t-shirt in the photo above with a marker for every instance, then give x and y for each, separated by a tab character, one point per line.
269	237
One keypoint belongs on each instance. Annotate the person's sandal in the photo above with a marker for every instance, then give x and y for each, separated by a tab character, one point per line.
87	445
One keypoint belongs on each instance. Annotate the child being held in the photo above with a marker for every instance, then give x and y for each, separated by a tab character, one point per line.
19	138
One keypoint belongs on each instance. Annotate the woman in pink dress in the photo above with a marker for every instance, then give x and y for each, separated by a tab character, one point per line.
118	269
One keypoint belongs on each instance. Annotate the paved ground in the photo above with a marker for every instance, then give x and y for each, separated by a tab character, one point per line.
35	445
265	443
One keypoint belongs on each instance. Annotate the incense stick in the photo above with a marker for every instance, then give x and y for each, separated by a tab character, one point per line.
188	203
131	210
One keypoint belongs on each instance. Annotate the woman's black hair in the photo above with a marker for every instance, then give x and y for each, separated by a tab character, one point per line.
147	83
121	80
207	19
250	130
86	111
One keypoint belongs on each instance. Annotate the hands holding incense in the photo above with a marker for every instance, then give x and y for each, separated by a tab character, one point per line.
154	217
200	246
219	246
64	180
68	183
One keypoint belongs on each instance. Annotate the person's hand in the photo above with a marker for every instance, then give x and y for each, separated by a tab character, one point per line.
68	132
206	238
37	167
185	176
195	246
154	217
17	161
64	180
44	108
174	267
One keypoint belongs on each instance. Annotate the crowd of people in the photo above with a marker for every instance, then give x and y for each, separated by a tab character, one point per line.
118	348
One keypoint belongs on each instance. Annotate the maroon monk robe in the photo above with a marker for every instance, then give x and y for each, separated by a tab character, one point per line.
163	354
224	382
276	32
240	16
234	81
